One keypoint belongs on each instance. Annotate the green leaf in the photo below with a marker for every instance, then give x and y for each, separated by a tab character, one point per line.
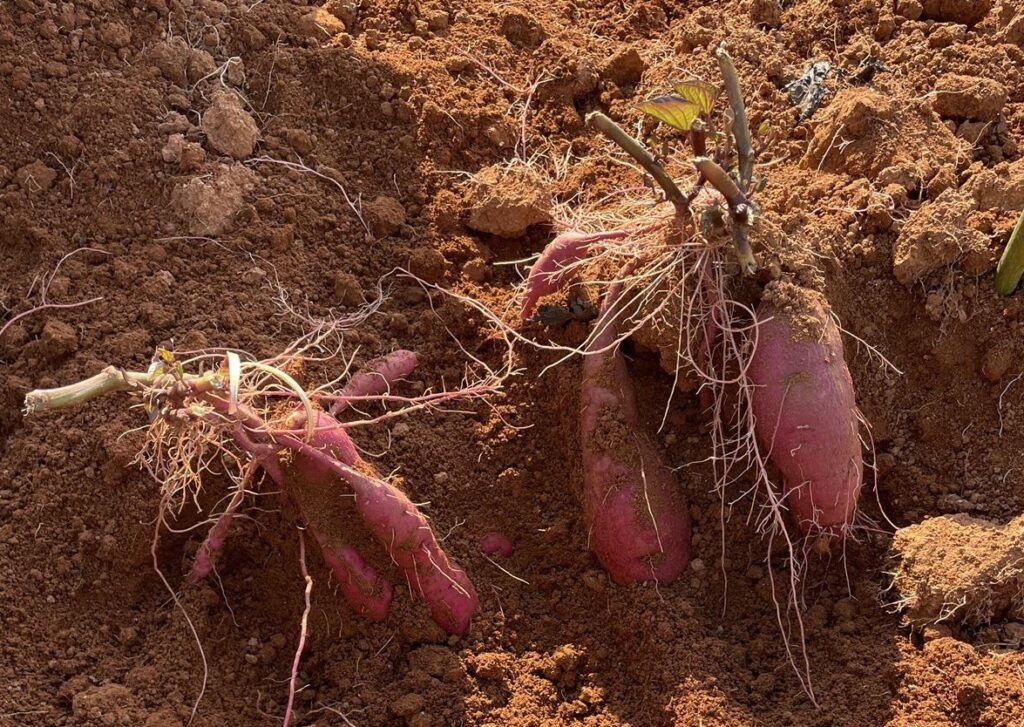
675	111
1011	264
762	130
701	94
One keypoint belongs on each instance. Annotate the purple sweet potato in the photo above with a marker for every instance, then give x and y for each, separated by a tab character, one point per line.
206	556
638	521
806	411
364	589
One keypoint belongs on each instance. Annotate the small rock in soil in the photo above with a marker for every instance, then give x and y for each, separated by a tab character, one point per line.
228	127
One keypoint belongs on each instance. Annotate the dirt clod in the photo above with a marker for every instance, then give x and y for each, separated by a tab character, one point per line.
863	132
975	575
385	215
229	129
507	201
35	178
407	705
321	24
209	205
935	236
967	12
968	97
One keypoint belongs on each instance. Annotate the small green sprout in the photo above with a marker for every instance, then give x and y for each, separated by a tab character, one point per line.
1011	264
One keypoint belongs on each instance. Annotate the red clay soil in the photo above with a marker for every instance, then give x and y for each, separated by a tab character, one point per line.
117	136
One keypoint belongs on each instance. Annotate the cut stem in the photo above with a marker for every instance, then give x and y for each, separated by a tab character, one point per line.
107	381
643	157
741	210
740	126
720	180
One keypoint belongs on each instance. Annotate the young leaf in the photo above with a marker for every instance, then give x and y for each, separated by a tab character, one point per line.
701	94
762	130
675	111
1011	264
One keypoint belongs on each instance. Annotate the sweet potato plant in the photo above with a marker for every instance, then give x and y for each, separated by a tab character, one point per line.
219	410
771	373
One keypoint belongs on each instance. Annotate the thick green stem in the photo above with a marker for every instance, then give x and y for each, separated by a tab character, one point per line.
642	156
740	126
107	381
1011	264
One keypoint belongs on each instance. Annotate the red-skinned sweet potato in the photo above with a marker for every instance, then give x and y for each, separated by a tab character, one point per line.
638	522
393	520
547	274
805	408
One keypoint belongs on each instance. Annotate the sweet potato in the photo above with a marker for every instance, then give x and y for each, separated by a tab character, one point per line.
638	521
392	519
376	377
805	408
547	275
365	590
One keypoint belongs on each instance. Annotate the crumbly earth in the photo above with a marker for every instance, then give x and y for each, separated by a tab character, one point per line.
108	145
959	568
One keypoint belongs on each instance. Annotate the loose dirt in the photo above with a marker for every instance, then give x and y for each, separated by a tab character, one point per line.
149	133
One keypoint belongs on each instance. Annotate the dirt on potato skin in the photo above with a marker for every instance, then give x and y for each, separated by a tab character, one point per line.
390	109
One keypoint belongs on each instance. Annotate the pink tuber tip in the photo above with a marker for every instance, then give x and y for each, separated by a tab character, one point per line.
495	543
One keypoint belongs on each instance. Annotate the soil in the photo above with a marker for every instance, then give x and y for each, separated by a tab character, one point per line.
119	137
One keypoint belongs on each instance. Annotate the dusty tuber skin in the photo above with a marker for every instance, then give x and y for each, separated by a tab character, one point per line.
638	522
376	377
805	407
395	523
365	590
547	275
